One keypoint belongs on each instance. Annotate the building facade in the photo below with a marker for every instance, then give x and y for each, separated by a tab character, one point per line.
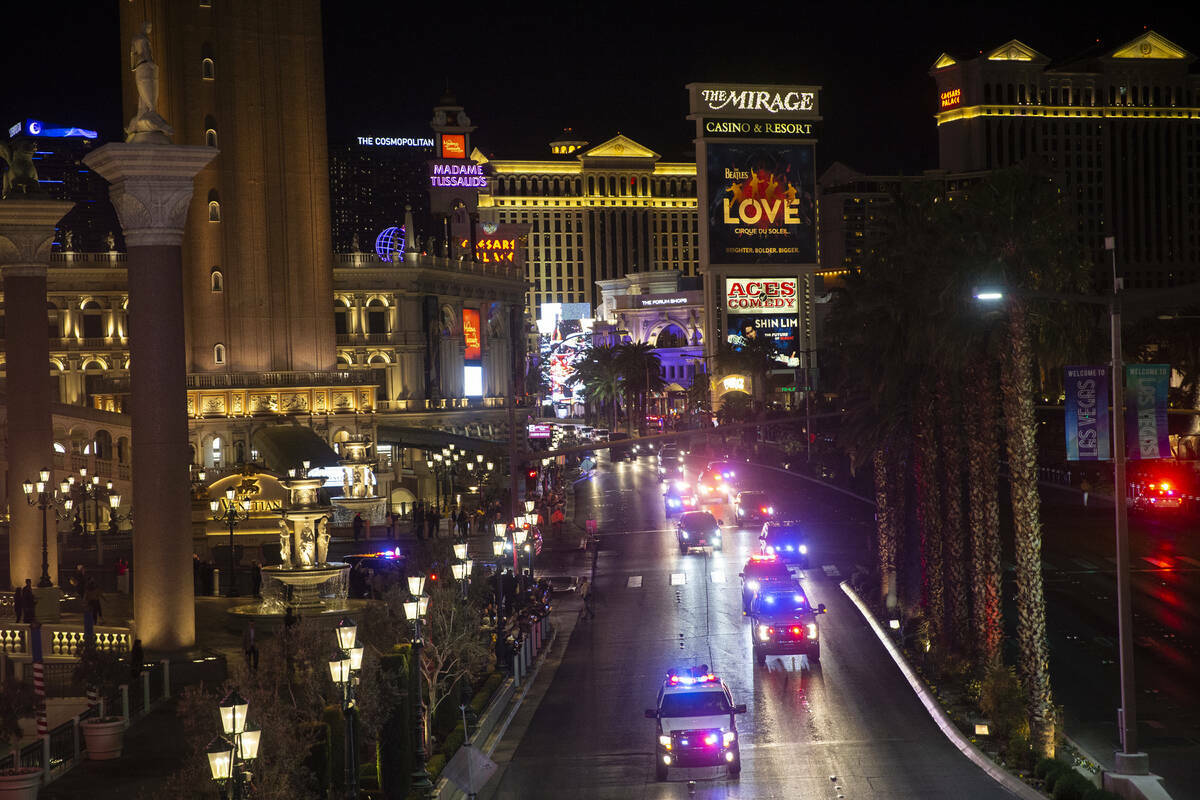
1121	125
372	180
595	214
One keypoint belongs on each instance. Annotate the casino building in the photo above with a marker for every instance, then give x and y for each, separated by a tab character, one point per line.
594	214
1121	124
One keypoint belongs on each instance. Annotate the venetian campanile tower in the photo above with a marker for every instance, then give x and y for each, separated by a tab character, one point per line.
248	78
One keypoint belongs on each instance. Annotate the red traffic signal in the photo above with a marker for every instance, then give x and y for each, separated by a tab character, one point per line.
531	474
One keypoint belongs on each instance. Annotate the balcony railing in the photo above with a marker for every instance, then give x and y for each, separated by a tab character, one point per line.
410	262
345	339
251	380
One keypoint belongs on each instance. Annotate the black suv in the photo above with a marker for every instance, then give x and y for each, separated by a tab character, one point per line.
697	529
786	540
782	622
762	573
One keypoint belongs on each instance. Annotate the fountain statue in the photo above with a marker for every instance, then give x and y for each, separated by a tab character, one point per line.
359	494
304	549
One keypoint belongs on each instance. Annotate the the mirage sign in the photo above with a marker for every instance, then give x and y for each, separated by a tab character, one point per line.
751	100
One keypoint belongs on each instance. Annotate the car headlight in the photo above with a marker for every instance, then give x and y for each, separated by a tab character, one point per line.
763	633
681	485
685	534
752	585
665	741
803	548
729	737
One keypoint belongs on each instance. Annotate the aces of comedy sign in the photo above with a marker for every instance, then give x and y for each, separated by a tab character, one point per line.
1087	422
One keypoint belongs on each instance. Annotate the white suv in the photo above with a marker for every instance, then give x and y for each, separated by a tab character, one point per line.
697	723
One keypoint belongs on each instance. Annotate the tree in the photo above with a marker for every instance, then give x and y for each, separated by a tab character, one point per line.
755	357
983	453
1019	227
599	375
641	373
453	644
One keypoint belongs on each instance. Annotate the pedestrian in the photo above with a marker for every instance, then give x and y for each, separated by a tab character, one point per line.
391	526
91	600
256	576
1085	486
250	646
419	519
557	519
18	608
585	591
357	525
464	520
27	601
195	573
79	579
136	659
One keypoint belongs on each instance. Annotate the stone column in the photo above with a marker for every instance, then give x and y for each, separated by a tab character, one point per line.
151	189
26	233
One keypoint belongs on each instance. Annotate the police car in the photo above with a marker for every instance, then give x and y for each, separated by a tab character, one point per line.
786	540
718	482
760	573
679	497
697	724
783	622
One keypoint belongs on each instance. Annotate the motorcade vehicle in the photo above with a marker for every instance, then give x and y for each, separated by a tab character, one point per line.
600	435
695	723
752	506
786	539
586	433
762	572
1158	496
697	529
679	496
670	462
718	482
783	622
621	452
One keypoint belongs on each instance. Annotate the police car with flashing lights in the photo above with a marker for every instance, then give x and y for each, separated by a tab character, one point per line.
679	497
718	482
785	539
753	506
762	572
783	622
1157	496
697	723
697	529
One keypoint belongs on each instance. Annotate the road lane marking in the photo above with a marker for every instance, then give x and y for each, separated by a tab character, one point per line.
678	578
1103	641
831	570
718	577
1161	563
1084	564
634	582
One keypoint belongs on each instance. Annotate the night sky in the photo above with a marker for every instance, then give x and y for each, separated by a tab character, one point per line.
524	70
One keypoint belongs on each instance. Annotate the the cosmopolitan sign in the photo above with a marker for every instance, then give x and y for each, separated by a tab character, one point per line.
760	295
394	141
456	175
753	100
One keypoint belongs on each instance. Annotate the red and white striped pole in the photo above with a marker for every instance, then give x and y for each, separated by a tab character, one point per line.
39	677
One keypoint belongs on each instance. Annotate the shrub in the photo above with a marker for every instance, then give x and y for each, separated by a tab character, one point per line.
318	754
1001	699
1071	786
1045	766
453	741
1096	793
484	696
1057	776
1018	751
435	765
332	717
394	751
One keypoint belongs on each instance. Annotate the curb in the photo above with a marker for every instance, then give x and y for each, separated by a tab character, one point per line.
956	737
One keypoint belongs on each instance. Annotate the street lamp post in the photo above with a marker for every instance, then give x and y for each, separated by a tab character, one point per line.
232	513
500	529
92	490
231	754
41	496
343	668
415	609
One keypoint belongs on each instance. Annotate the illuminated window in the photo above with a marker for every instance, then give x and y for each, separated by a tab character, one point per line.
210	138
218	353
216	281
214	206
208	69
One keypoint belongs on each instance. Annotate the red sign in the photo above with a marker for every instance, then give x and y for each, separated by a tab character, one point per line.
454	145
951	98
470	325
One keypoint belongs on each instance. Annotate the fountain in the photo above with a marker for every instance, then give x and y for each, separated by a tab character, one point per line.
305	580
358	481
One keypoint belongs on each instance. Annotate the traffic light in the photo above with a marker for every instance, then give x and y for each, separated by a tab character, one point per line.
531	476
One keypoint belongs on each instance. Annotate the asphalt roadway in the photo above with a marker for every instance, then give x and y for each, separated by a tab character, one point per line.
848	728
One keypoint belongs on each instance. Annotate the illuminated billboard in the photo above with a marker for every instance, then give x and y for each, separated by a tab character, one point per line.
761	207
764	308
450	176
454	145
470	328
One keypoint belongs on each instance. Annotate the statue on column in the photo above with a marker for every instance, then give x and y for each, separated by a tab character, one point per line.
146	127
322	541
285	544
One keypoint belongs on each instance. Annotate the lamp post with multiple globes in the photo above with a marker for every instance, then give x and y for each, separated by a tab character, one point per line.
231	754
232	512
415	610
43	497
344	668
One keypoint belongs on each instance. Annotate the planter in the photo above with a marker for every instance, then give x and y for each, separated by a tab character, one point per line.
103	737
20	784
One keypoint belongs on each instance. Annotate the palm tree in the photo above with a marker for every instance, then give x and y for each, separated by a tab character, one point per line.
1021	226
755	357
599	375
983	452
641	373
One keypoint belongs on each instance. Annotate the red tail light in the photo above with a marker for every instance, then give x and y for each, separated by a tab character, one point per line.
796	630
771	631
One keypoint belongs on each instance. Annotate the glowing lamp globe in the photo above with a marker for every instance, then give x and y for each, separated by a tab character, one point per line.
389	244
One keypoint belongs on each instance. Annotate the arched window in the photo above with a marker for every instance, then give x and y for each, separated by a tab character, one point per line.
671	336
93	320
210	137
214	206
208	69
217	280
219	353
341	318
376	316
